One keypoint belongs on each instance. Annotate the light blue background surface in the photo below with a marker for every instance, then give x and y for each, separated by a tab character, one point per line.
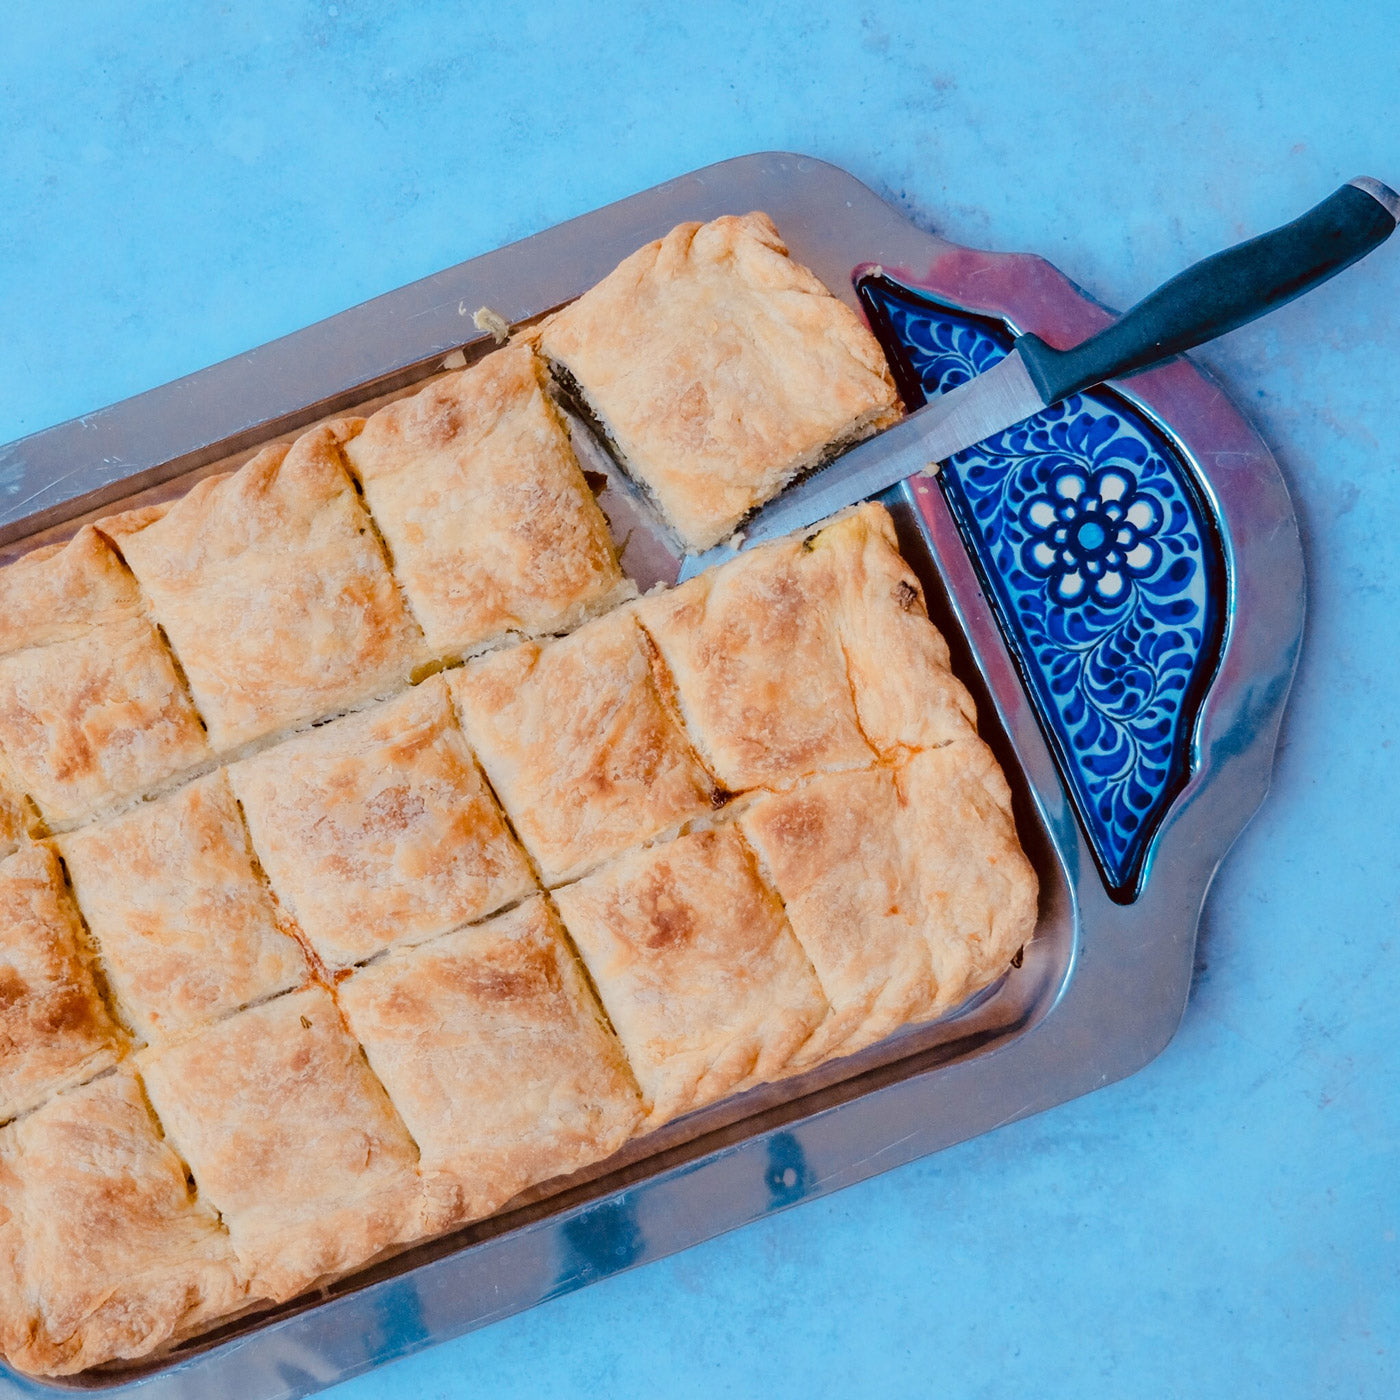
179	182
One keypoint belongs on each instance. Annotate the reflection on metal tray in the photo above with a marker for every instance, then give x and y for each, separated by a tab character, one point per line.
1101	987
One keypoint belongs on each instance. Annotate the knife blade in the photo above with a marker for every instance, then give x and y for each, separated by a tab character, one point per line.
1216	295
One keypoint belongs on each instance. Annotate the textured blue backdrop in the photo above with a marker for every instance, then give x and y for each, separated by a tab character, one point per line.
181	181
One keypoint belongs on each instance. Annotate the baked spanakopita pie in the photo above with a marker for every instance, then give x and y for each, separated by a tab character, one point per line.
92	709
580	741
707	988
273	589
54	1028
491	524
183	925
497	1056
378	828
291	1139
104	1252
718	368
280	991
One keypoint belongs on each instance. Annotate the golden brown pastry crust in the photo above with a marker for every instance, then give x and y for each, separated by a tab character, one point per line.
105	1253
977	888
63	591
273	590
92	709
291	1139
184	926
54	1030
579	741
833	850
720	368
494	1051
16	819
378	829
905	884
491	525
707	988
808	656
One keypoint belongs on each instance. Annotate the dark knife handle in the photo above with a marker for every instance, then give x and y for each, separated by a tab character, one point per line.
1222	291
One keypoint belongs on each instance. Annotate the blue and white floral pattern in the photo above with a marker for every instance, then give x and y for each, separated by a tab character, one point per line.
1105	576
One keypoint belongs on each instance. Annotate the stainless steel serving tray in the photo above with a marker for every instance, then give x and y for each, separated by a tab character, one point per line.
1100	989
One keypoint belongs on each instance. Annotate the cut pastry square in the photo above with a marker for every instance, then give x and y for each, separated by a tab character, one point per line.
379	828
106	1253
183	924
492	527
497	1056
580	743
808	655
978	889
54	1029
719	369
707	988
906	886
92	708
274	591
837	851
291	1139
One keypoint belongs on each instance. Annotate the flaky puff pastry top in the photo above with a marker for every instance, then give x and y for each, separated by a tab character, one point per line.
719	368
497	1056
492	527
273	590
104	1253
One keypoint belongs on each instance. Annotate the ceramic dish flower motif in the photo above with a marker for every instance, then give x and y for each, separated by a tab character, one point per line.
1087	527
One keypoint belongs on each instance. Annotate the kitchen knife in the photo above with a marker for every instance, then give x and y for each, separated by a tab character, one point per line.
1214	296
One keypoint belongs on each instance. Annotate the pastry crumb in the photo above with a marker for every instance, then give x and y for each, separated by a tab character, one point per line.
456	360
736	540
932	469
484	319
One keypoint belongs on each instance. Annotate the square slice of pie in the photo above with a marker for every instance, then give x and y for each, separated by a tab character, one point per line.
906	885
719	369
274	591
92	708
580	743
977	889
54	1029
379	828
707	988
291	1139
497	1056
184	926
806	656
492	528
105	1252
836	851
